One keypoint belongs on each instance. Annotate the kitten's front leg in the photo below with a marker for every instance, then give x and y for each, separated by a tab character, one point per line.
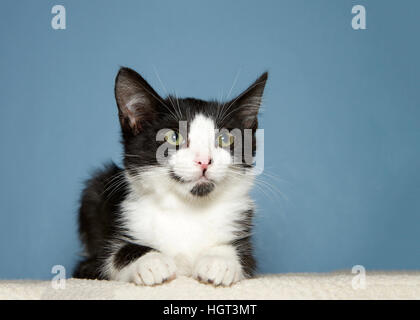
142	265
219	266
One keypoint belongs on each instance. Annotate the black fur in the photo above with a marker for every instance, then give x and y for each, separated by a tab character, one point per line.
99	214
202	189
129	253
176	177
243	244
99	219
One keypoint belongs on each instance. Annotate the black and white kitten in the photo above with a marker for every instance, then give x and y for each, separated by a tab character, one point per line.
174	211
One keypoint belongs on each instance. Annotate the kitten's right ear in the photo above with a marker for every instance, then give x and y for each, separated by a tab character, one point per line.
137	101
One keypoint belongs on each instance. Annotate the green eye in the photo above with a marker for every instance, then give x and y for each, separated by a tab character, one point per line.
224	140
174	138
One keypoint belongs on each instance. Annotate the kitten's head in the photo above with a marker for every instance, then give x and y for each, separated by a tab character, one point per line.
192	147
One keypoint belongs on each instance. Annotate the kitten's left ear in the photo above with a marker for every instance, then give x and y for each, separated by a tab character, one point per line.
137	101
248	102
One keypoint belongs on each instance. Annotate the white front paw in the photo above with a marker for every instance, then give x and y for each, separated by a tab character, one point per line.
218	270
153	268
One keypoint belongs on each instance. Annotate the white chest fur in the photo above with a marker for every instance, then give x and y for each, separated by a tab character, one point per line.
180	228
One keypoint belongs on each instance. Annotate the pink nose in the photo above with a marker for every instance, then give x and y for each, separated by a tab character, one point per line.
203	163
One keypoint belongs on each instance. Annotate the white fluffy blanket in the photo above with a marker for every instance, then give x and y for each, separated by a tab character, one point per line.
338	285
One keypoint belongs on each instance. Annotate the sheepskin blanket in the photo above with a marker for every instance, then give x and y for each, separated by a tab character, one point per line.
337	285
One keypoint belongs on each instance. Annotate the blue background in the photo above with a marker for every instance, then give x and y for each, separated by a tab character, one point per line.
341	119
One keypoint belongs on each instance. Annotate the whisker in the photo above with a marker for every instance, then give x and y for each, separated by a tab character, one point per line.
178	115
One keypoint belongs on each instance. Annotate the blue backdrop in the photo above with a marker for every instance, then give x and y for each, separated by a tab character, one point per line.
341	119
